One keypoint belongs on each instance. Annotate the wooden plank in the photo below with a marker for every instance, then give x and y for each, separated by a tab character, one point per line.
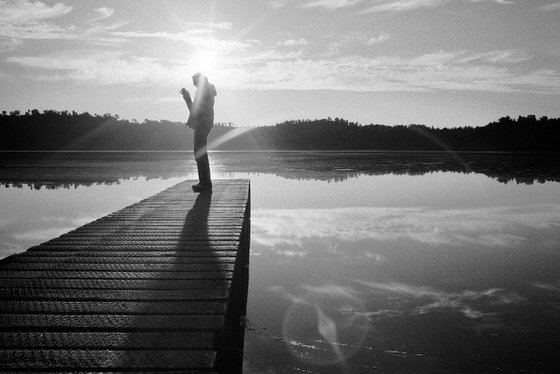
106	340
177	243
110	295
138	247
109	322
170	260
116	284
117	267
154	287
63	274
38	359
129	253
112	307
111	371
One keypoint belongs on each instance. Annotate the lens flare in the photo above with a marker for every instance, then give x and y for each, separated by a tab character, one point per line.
325	327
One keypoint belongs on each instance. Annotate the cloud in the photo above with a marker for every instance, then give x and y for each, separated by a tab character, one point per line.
505	2
353	41
102	67
211	25
292	42
401	5
26	11
490	227
42	235
497	57
424	299
377	39
278	3
192	37
330	4
37	31
167	99
552	288
552	6
195	30
26	20
33	21
429	72
330	291
103	13
241	64
406	5
8	43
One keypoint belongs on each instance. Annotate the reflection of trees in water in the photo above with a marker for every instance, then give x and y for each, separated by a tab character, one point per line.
335	167
52	171
64	185
71	170
349	175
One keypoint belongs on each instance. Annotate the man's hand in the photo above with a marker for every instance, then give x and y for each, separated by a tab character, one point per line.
186	95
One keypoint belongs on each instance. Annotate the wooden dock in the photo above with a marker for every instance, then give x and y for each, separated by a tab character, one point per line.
158	287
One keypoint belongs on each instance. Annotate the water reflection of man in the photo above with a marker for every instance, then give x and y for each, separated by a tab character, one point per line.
201	120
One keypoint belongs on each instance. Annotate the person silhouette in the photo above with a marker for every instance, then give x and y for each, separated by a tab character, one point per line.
201	120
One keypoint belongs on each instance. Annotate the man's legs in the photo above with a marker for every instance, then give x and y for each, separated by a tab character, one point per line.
201	157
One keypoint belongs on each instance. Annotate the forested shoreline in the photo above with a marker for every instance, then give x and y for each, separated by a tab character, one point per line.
63	130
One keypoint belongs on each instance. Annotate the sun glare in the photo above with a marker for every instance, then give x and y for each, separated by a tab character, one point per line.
215	64
205	61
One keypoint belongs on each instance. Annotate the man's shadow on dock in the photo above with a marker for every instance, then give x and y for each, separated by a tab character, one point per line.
208	282
197	225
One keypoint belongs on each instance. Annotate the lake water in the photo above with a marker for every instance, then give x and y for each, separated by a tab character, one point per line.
361	262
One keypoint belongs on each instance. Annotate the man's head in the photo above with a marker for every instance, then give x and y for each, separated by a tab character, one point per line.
198	78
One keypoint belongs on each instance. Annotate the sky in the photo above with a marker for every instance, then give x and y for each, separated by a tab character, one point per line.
442	63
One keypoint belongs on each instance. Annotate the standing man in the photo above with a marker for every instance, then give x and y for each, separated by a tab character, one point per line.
201	120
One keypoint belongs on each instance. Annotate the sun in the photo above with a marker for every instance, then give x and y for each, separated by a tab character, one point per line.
205	61
216	63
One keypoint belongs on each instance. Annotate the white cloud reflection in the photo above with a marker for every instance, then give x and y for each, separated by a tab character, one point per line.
552	6
549	287
42	235
424	299
487	227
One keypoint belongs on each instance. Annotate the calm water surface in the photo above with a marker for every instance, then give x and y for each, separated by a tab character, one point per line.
360	262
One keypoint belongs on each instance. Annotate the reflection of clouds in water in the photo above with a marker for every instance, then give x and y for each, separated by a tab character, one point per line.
552	288
325	325
32	217
42	235
45	227
423	299
17	235
7	249
496	226
551	299
329	290
5	222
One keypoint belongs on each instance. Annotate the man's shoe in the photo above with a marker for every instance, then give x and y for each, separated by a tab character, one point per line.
202	187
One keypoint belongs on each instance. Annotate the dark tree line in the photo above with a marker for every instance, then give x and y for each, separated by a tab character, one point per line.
522	134
54	130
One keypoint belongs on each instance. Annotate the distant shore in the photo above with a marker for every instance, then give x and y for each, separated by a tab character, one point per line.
72	131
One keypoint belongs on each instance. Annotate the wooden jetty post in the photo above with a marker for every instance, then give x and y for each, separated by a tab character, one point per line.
159	286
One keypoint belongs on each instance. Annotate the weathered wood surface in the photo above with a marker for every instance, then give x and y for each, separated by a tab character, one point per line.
159	286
